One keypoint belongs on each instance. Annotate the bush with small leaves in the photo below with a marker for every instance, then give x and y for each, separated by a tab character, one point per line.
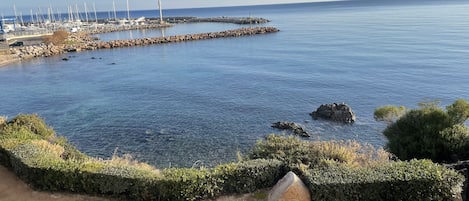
430	133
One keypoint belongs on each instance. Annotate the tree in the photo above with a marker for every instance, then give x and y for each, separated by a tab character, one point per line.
430	132
459	111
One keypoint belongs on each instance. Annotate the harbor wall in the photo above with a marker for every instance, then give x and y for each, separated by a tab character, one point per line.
87	43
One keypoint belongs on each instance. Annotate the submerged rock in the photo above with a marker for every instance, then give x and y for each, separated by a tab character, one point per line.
340	112
296	128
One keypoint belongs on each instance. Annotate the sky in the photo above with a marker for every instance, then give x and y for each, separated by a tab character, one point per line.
25	6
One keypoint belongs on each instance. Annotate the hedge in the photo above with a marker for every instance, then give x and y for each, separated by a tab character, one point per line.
45	172
48	162
413	180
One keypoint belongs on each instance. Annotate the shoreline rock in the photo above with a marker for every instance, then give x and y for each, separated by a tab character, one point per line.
339	112
296	128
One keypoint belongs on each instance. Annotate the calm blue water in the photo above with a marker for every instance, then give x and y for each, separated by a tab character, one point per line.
174	104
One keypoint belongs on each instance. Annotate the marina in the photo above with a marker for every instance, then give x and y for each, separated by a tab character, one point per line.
22	39
39	24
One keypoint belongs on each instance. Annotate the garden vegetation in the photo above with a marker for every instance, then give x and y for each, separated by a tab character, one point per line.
429	132
343	170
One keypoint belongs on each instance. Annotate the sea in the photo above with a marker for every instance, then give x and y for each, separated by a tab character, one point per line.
199	103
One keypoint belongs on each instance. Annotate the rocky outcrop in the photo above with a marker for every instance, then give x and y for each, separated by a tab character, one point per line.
296	128
289	187
339	112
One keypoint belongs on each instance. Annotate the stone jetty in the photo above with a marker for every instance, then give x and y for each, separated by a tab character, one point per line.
85	42
107	29
233	20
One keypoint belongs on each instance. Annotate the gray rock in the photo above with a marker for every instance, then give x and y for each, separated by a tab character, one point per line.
339	112
296	128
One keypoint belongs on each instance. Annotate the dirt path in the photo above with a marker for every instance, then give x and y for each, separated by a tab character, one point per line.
13	189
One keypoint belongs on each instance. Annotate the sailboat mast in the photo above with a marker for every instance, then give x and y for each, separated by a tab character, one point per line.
128	10
52	14
77	18
14	9
21	19
161	11
49	19
32	16
70	14
114	9
86	12
95	16
59	15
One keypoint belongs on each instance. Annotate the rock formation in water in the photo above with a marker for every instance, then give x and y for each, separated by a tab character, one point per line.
339	112
296	128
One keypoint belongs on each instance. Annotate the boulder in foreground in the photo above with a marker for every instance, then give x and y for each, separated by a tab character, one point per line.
289	187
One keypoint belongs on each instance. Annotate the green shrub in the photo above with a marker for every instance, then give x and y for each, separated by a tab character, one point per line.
458	111
292	151
288	149
389	113
414	180
456	138
188	184
429	132
27	126
249	176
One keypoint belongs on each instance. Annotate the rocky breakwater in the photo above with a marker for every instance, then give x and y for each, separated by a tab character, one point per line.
82	41
181	38
45	50
113	28
42	50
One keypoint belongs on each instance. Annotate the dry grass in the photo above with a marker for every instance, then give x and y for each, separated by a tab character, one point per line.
350	152
293	150
3	120
46	146
128	160
57	38
124	160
